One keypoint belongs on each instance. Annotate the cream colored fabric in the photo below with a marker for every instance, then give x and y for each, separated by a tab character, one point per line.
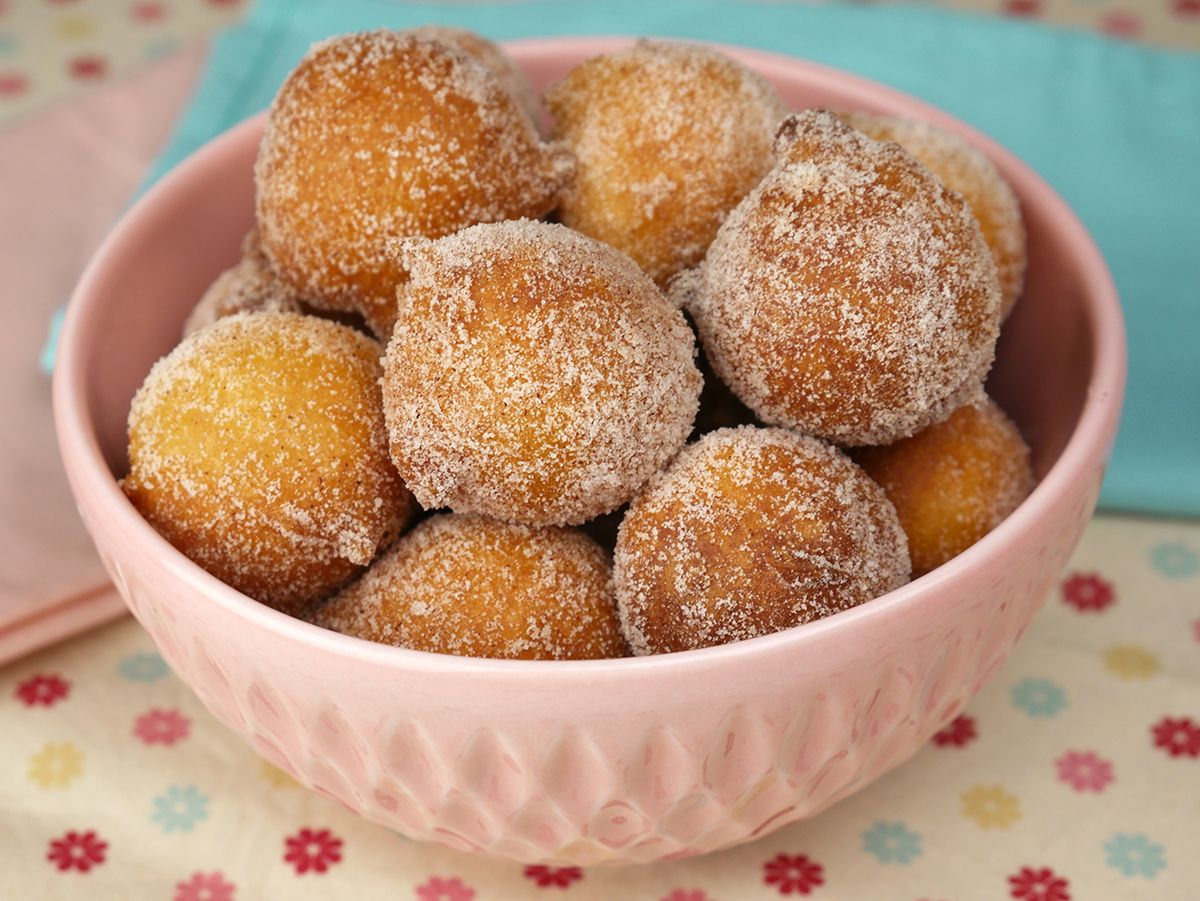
1075	774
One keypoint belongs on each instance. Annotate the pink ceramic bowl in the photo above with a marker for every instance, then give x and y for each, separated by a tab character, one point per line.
604	761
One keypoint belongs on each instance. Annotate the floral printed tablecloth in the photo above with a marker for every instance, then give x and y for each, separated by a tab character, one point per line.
1075	774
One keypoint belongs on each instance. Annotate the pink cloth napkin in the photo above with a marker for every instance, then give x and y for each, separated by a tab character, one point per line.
64	176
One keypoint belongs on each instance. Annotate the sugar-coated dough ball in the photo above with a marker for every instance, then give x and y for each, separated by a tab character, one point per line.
491	54
477	587
953	482
750	531
257	447
387	134
534	374
965	169
851	294
668	138
246	287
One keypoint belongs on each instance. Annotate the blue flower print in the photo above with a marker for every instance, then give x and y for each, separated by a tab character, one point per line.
180	808
1134	855
143	668
892	842
1038	697
1175	560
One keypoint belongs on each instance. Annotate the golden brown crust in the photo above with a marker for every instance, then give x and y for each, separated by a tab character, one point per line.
953	482
750	531
668	137
245	287
851	294
386	134
492	55
965	169
477	587
535	374
257	447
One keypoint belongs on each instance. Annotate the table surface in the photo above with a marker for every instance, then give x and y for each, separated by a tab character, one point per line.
1074	774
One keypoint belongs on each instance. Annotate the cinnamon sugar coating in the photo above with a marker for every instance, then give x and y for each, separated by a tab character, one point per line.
750	531
257	447
477	587
492	55
953	482
248	286
668	138
966	169
387	134
534	374
851	294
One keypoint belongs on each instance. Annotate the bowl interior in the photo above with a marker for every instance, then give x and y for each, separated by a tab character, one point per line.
1061	346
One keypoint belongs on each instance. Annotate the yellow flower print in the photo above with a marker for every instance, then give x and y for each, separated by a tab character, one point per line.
76	27
991	805
277	777
1131	661
56	766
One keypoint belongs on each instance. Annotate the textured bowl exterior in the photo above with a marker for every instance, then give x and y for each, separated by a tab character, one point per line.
614	761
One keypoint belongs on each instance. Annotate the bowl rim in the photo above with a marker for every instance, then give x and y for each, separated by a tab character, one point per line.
1087	448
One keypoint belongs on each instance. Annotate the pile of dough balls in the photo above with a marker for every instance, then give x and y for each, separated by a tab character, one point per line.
692	369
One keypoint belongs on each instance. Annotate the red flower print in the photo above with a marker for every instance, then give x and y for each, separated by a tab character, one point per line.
1177	737
75	851
1122	25
88	68
1022	7
790	874
149	11
1196	624
556	876
1087	592
12	84
44	690
1187	7
961	731
1084	772
1039	885
162	726
308	850
438	889
204	887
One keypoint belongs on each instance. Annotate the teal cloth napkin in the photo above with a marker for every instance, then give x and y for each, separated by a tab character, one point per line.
1114	127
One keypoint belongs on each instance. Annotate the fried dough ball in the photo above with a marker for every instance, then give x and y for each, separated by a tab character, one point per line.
257	447
386	134
668	138
953	482
477	587
250	286
492	55
965	169
535	374
851	294
750	531
246	287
